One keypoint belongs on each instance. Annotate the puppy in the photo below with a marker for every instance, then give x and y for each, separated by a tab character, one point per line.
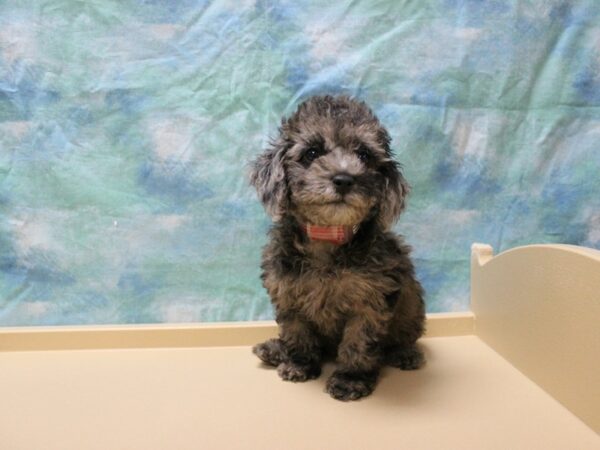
342	284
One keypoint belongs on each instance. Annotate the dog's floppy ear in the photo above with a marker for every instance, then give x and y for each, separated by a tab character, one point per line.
394	194
267	175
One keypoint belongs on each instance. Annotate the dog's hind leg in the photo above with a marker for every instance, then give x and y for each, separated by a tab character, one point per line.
404	357
270	352
408	325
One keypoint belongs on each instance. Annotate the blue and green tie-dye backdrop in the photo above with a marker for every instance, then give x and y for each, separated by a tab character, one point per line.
125	127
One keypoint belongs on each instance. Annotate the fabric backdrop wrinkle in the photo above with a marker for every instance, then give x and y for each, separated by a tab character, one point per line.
126	128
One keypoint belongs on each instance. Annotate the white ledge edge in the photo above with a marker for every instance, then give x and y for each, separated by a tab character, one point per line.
224	334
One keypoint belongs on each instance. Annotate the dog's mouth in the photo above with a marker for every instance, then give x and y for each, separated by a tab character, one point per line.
350	200
328	202
340	201
349	209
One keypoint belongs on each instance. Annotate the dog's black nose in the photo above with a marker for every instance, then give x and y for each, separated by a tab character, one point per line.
343	182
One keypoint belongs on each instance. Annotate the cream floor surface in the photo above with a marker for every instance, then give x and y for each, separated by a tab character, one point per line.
467	397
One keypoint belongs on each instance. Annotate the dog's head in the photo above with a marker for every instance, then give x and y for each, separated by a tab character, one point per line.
331	165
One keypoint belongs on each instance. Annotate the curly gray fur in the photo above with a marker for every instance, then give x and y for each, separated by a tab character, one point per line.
359	302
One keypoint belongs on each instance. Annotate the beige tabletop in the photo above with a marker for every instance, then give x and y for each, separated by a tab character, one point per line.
467	397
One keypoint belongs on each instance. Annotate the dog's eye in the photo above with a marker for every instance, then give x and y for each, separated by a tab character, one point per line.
364	154
311	154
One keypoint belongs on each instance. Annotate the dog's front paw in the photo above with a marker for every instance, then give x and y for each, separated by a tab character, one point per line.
289	371
351	385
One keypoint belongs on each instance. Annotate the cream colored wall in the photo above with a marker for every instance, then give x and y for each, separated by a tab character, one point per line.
539	307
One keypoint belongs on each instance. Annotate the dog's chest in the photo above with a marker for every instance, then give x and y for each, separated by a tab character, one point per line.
325	296
328	289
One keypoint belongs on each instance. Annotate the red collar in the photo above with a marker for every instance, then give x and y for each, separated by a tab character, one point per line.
338	234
